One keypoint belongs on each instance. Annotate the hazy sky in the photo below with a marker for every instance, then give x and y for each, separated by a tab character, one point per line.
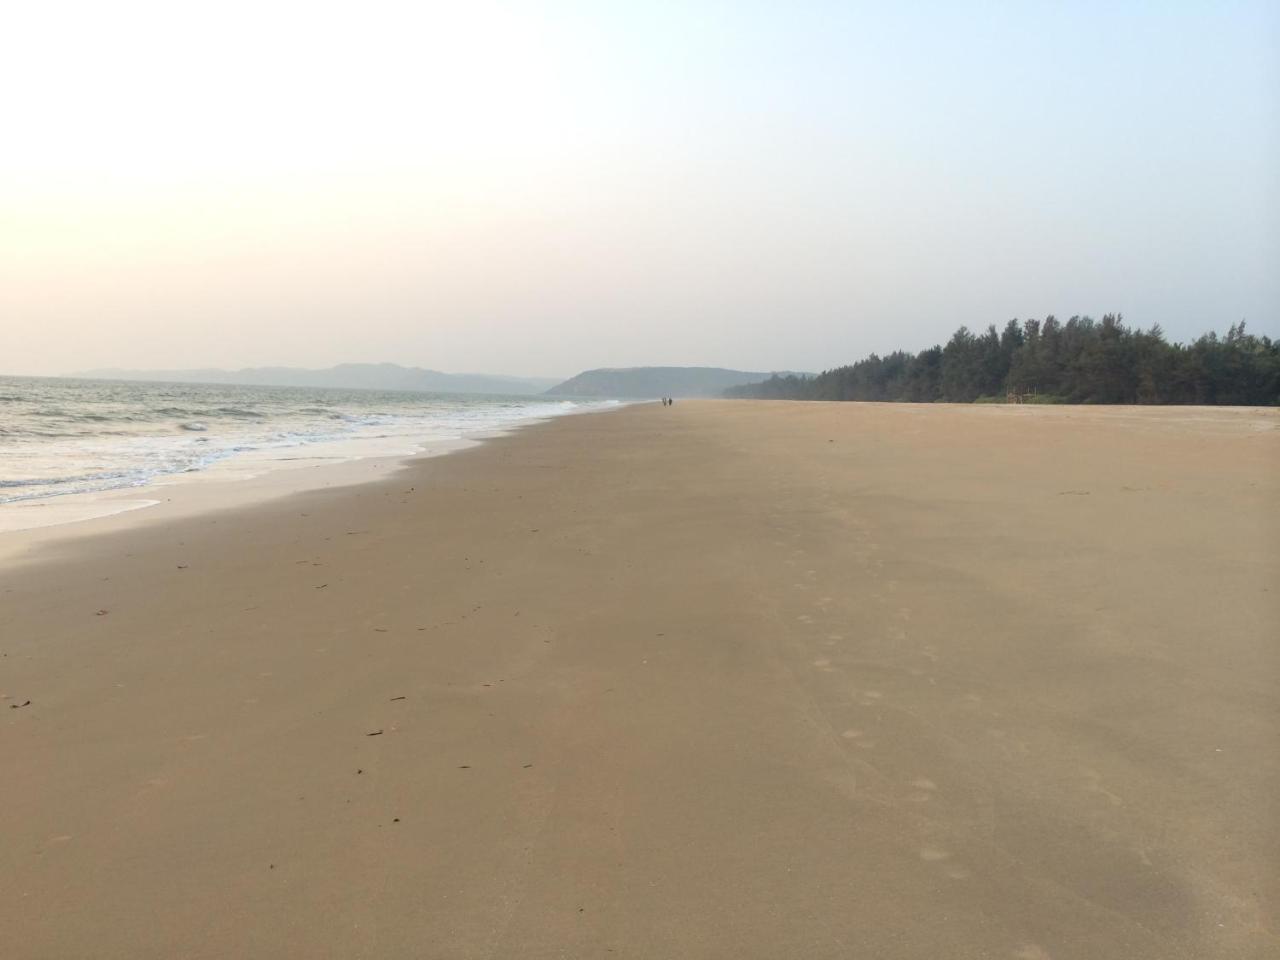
542	187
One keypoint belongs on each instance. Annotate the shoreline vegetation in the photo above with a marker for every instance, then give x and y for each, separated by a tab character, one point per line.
1048	361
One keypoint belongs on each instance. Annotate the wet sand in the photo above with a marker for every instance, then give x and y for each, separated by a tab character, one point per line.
716	680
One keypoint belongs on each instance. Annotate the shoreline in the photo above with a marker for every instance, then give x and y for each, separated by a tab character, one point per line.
723	679
246	480
230	484
88	515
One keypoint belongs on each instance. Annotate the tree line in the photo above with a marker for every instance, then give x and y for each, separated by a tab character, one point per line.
1048	361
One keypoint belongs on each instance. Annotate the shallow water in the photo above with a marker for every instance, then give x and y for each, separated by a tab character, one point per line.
63	436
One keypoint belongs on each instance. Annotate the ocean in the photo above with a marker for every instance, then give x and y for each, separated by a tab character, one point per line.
63	436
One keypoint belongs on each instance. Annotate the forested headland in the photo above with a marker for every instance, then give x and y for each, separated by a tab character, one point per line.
1048	361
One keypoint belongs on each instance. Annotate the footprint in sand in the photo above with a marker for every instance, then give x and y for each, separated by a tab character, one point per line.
153	783
859	739
1093	784
924	791
952	871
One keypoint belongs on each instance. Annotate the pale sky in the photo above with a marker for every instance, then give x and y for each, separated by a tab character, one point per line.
542	187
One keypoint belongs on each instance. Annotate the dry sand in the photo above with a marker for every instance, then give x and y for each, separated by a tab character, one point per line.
719	680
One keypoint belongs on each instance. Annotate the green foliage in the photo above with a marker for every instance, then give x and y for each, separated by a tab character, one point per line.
1080	361
1042	398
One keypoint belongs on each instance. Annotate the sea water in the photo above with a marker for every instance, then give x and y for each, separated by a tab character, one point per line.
64	436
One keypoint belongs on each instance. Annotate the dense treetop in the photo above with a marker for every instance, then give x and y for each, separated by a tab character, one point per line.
1046	361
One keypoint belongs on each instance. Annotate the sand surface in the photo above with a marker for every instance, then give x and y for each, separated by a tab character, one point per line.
716	680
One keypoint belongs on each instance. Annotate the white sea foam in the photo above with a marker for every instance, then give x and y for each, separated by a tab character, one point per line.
64	437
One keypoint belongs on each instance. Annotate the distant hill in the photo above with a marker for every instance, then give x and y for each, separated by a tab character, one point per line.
363	376
655	382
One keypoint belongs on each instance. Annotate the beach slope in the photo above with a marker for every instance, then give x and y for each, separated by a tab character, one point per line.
724	679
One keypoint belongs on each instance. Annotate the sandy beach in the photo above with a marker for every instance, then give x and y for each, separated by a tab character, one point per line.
724	680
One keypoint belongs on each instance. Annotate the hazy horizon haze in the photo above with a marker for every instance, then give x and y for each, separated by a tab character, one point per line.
534	189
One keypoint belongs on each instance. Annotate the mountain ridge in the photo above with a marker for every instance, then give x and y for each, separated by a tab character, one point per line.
357	376
642	382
